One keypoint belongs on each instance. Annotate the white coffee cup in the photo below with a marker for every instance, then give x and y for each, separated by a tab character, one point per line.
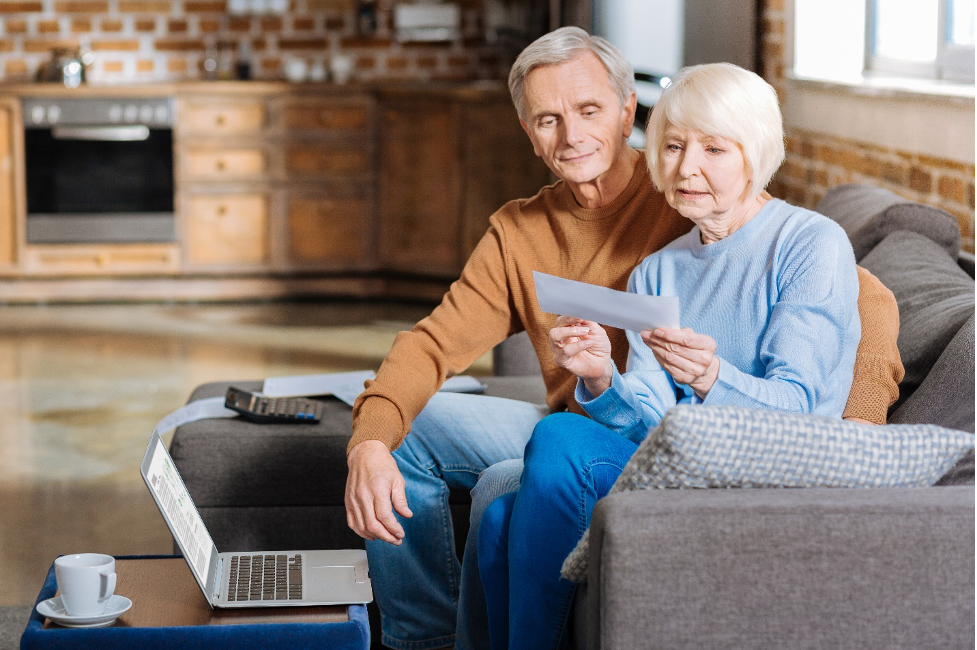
86	582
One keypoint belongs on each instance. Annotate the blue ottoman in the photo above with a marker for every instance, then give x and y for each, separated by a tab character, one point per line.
169	611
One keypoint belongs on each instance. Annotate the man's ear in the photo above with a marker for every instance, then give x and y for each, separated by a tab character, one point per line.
525	127
630	107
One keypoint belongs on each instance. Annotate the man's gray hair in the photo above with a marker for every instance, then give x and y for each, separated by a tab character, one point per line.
562	45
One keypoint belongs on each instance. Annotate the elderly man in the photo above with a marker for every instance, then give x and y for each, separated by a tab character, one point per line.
575	98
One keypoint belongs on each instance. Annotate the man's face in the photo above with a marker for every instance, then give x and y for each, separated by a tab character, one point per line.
574	119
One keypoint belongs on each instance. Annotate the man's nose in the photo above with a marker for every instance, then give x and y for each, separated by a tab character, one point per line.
572	131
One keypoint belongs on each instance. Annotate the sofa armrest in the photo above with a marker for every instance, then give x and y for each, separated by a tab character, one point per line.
515	357
801	568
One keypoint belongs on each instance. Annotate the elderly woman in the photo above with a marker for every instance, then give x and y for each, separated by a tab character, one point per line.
768	295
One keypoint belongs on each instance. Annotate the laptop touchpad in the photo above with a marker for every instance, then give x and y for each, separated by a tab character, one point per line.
329	583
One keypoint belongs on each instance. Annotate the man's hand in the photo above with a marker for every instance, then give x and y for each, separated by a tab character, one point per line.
582	347
688	357
374	488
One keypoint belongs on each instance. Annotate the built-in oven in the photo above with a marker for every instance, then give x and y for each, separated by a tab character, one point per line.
99	170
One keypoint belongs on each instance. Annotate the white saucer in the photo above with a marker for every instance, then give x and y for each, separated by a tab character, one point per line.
53	609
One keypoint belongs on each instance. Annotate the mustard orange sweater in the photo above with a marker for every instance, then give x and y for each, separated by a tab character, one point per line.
495	297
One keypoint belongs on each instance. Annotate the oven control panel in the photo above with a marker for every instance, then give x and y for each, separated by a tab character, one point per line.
154	112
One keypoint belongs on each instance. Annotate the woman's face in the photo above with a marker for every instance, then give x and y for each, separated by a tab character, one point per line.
704	177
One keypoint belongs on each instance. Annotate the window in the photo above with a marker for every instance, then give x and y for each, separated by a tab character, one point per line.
842	39
922	38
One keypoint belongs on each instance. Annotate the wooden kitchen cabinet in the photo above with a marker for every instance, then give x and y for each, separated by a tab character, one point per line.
372	190
326	189
227	164
223	183
447	162
9	183
227	231
420	185
218	116
328	230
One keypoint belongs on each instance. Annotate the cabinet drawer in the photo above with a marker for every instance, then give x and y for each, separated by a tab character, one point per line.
227	230
310	160
326	116
327	231
102	260
237	163
222	119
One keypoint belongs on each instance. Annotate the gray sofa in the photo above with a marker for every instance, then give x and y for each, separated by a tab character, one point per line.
812	568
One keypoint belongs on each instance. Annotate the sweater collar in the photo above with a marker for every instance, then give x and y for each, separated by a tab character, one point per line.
744	234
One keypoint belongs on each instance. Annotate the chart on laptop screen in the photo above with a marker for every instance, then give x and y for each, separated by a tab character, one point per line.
183	517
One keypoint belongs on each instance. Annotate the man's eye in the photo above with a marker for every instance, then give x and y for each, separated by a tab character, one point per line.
548	121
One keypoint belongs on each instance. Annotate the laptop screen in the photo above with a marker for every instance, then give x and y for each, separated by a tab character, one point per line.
181	515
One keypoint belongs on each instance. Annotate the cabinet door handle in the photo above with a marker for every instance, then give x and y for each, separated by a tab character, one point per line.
221	165
221	210
220	120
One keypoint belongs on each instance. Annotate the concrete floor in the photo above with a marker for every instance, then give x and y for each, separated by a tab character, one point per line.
81	387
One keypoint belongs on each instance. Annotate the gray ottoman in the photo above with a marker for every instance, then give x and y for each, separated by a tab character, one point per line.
282	486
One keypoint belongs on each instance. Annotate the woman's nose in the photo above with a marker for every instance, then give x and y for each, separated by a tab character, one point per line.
689	164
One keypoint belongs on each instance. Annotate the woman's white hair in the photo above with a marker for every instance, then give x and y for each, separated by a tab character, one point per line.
562	45
724	100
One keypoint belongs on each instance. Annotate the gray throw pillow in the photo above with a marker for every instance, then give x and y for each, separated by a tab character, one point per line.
934	295
869	214
736	447
946	396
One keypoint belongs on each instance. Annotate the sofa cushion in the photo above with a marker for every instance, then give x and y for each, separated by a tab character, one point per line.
736	447
868	214
946	395
935	299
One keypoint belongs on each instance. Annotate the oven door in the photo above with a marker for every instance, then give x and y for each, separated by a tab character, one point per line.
99	184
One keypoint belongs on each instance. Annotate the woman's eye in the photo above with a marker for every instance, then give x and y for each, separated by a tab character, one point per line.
715	150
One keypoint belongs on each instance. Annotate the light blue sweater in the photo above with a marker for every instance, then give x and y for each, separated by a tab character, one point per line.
779	296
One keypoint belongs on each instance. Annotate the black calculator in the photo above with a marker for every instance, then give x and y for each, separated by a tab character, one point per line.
273	410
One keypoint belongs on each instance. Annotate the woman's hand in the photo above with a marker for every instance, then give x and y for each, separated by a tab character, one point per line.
582	347
688	357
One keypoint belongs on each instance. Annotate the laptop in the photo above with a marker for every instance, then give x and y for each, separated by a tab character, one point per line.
254	579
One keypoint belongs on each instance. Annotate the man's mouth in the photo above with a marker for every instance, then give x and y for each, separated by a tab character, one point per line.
575	157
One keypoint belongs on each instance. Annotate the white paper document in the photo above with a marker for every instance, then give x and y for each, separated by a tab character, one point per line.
347	386
306	385
629	311
210	407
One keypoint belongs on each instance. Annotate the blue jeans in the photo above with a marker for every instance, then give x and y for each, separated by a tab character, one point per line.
428	599
570	463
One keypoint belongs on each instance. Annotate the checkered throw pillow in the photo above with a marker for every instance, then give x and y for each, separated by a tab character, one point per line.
736	447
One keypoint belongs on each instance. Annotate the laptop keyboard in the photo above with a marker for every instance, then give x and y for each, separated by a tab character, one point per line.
265	577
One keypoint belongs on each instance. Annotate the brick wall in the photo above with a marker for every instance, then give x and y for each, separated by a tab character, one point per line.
150	40
816	162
